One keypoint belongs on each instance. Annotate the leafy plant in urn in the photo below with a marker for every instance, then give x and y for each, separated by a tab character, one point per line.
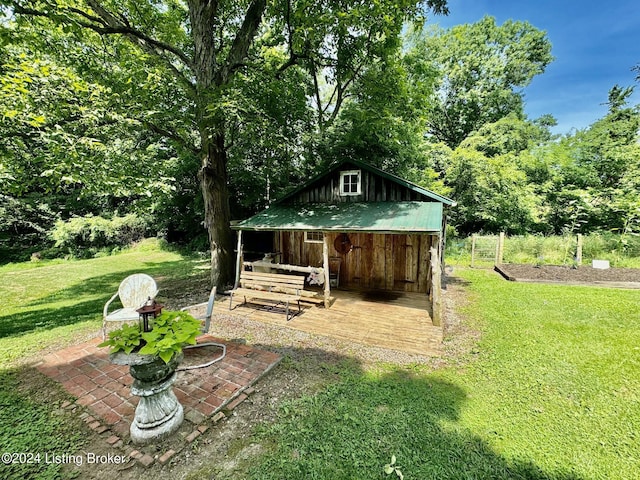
171	331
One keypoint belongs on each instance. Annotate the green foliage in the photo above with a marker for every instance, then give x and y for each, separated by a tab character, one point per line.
272	122
620	250
492	193
382	124
169	93
69	145
482	66
125	339
24	226
171	331
589	180
84	236
110	125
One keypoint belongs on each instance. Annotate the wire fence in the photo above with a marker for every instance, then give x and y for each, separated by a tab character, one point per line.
485	251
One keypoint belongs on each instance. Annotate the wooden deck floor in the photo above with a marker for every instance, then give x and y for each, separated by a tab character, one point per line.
395	320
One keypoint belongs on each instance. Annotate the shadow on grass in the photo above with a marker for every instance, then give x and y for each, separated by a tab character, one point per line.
352	428
48	318
166	274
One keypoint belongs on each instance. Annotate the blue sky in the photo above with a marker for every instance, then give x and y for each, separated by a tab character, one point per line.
595	44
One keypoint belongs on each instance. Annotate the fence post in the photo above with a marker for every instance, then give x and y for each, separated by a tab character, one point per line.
579	250
473	248
500	249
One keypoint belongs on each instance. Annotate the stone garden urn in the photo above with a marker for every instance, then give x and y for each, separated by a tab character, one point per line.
159	413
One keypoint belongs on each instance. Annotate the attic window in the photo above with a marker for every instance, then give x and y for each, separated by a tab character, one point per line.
350	182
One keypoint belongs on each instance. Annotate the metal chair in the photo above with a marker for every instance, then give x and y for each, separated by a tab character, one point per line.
133	291
207	323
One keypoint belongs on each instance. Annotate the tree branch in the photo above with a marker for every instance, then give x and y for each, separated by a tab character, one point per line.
293	56
171	135
122	26
242	41
107	23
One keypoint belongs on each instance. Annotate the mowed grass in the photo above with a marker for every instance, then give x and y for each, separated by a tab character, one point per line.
49	305
551	391
49	301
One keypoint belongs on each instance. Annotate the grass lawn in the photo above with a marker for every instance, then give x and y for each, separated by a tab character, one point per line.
551	392
52	304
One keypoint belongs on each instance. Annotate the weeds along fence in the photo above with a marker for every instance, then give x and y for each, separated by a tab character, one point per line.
490	250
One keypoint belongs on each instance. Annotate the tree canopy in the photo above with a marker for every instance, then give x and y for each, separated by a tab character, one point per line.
196	112
198	49
482	68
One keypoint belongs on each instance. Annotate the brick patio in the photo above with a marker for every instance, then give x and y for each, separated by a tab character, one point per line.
104	388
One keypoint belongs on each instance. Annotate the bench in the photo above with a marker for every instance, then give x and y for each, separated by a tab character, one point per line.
273	287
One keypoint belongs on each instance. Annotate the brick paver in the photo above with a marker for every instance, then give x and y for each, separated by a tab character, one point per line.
103	388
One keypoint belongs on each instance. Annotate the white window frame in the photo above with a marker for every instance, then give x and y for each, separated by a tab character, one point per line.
358	184
313	240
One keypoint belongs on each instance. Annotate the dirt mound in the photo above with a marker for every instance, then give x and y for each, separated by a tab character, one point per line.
623	277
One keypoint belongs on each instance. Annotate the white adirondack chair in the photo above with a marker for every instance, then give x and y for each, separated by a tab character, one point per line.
134	291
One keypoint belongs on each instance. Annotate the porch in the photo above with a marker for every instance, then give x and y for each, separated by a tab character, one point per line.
395	320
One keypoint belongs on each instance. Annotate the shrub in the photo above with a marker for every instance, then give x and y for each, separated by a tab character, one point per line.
24	223
89	235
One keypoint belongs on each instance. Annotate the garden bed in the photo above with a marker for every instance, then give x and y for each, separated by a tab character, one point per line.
582	275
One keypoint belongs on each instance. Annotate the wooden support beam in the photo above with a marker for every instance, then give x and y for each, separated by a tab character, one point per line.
436	287
579	250
473	249
287	267
325	266
500	249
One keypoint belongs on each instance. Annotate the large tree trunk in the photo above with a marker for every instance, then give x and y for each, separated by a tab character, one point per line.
213	73
217	215
213	171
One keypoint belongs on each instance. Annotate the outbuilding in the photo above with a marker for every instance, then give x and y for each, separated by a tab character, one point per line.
365	228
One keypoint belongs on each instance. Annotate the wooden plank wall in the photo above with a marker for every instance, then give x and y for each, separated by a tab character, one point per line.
374	189
384	261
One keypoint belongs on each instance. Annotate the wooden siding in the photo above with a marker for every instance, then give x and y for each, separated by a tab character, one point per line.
377	261
374	188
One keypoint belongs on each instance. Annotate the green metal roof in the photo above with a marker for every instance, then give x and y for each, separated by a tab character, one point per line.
376	217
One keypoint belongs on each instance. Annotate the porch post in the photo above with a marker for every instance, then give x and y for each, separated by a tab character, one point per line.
436	287
238	260
325	265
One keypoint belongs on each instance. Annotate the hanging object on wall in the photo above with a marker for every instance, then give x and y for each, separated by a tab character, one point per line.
315	278
342	244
